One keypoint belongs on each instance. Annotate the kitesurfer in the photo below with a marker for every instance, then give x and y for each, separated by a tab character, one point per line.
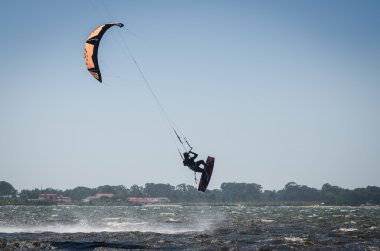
191	163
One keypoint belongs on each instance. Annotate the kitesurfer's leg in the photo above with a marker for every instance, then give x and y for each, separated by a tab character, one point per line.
201	162
198	169
197	164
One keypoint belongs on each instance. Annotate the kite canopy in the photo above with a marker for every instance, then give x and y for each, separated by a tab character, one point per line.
91	49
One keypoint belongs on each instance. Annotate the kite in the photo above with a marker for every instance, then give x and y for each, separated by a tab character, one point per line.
91	49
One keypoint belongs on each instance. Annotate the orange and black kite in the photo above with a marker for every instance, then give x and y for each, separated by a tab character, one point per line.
91	49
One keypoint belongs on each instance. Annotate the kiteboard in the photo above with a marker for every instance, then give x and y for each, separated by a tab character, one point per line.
206	175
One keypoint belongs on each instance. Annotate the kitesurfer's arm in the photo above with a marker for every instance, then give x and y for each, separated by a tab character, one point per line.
194	155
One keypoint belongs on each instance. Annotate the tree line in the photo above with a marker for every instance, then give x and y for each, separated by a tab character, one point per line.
229	192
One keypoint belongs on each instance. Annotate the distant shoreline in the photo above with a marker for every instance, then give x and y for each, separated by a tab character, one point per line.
230	193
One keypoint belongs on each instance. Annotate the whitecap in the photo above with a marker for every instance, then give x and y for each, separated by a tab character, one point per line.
294	239
167	214
171	220
267	220
124	224
342	229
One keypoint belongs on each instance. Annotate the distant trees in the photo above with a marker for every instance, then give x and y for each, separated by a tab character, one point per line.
6	189
233	192
156	190
295	192
30	194
339	196
136	191
79	193
185	193
229	192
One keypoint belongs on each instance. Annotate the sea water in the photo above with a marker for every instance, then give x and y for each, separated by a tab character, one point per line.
189	227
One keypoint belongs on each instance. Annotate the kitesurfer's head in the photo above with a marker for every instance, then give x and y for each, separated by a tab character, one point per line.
186	155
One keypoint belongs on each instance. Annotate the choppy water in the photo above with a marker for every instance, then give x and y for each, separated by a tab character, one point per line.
189	227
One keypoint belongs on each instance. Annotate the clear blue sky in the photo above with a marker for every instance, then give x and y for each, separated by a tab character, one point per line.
277	91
